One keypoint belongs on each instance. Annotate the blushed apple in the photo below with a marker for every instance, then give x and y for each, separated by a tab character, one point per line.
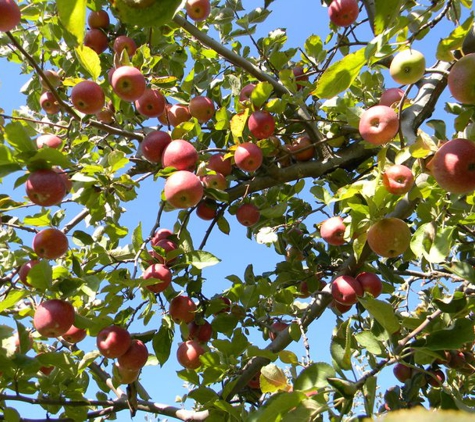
151	103
300	76
207	209
98	19
49	103
398	179
96	40
461	80
50	243
48	140
113	341
128	83
202	108
123	42
248	156
332	231
408	66
175	114
379	124
53	317
261	124
201	333
180	154
158	272
25	269
167	245
370	283
402	372
301	149
183	189
161	234
88	97
74	334
248	214
343	12
198	10
276	328
246	91
126	376
53	78
188	354
182	309
214	181
391	96
219	164
10	15
346	290
135	357
153	145
389	237
45	187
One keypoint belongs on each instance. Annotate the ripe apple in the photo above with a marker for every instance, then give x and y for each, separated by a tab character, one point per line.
224	304
299	75
343	12
402	372
370	283
276	328
53	317
53	78
201	333
128	83
25	269
48	140
123	42
261	124
398	179
461	80
161	234
391	96
301	149
153	145
98	19
75	335
50	243
175	114
346	289
88	97
183	189
126	376
65	177
188	354
435	377
151	103
219	164
167	245
246	91
332	231
10	15
198	10
389	237
45	187
96	40
161	273
248	156
214	181
49	103
339	307
180	154
113	341
379	124
453	166
408	66
202	108
135	357
207	209
248	214
106	116
182	309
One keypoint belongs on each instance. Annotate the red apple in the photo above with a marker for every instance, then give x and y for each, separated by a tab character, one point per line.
200	332
88	97
248	214
340	307
370	283
453	166
25	269
215	181
75	335
45	187
10	15
202	108
219	164
123	42
49	103
53	317
127	376
175	114
261	124
391	96
135	357
389	237
207	209
246	92
198	10
113	341
180	154
183	189
379	124
248	156
398	179
167	245
188	354
98	19
53	78
106	116
276	328
128	83
346	289
332	231
50	243
151	103
435	377
153	145
182	309
161	234
402	372
65	177
96	40
343	12
47	140
302	149
461	80
159	272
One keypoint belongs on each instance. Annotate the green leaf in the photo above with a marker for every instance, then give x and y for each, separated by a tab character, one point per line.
200	259
313	47
72	15
456	336
462	269
454	41
162	341
277	407
10	414
382	312
346	388
340	347
18	138
53	157
238	124
368	341
89	60
155	13
452	305
386	12
340	75
13	297
261	93
288	357
40	276
314	376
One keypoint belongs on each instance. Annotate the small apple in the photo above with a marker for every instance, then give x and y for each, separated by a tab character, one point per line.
248	214
123	42
49	103
48	140
180	154
343	12
346	289
126	376
276	328
389	237
10	15
201	333
161	234
183	189
53	317
113	341
214	181
182	309
98	19
379	124
25	269
332	231
128	83
88	97
207	209
50	243
159	272
188	354
202	108
45	187
435	377
246	91
198	10
135	357
151	103
408	67
301	149
248	156
175	114
219	164
97	40
391	96
339	308
106	115
402	372
75	335
261	124
153	145
53	78
370	283
398	179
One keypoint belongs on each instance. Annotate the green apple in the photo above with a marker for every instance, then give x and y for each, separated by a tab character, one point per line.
408	66
461	80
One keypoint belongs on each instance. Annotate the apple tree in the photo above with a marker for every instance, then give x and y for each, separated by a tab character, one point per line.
352	157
